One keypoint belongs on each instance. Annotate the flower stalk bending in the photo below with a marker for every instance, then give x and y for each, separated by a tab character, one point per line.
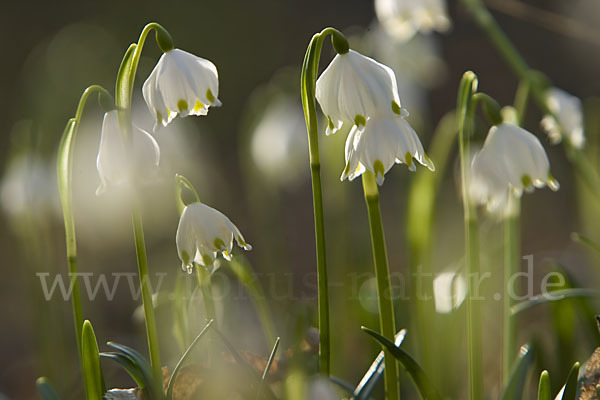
308	87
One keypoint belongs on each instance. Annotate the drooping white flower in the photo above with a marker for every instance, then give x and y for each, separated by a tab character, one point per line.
117	165
203	232
181	83
383	142
403	18
511	160
568	110
354	87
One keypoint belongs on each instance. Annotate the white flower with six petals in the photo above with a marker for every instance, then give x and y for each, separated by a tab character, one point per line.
181	83
354	87
203	232
511	160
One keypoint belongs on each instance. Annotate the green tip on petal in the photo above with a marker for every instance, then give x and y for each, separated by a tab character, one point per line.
396	108
552	183
408	159
182	105
360	120
198	106
185	257
210	96
429	162
159	117
220	244
379	171
527	182
330	123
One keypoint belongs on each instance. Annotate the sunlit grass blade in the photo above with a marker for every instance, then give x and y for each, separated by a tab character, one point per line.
92	373
128	365
46	389
570	389
544	386
183	358
267	368
368	382
144	367
516	383
422	382
251	372
579	238
553	296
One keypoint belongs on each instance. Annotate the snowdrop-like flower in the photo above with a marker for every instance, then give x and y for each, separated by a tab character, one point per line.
403	18
380	144
202	233
568	111
354	87
181	83
511	159
117	166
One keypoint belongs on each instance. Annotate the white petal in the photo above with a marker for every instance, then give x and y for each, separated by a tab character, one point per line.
403	18
355	85
568	110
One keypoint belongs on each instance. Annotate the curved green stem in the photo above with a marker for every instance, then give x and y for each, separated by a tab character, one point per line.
123	95
465	109
65	189
385	298
511	267
308	82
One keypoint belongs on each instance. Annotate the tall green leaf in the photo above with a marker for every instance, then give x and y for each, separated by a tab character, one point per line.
92	373
516	383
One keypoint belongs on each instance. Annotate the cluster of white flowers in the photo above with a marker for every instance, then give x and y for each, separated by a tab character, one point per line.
359	90
180	84
567	119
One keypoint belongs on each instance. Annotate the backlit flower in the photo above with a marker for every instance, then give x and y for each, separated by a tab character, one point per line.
181	83
203	232
567	109
118	166
511	160
403	18
355	87
383	142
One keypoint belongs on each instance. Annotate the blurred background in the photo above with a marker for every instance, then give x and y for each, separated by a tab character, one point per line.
249	159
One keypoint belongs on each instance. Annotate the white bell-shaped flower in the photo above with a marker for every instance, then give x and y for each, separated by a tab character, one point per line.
511	160
569	118
403	18
181	83
117	165
384	141
355	87
203	232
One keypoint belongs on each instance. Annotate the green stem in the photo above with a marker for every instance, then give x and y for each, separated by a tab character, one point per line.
308	82
511	267
65	188
465	110
204	284
387	321
142	261
123	95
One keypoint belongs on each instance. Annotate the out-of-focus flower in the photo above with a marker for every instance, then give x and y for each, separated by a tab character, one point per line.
403	18
449	291
569	117
202	233
380	144
511	160
279	143
118	166
355	87
181	83
28	187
